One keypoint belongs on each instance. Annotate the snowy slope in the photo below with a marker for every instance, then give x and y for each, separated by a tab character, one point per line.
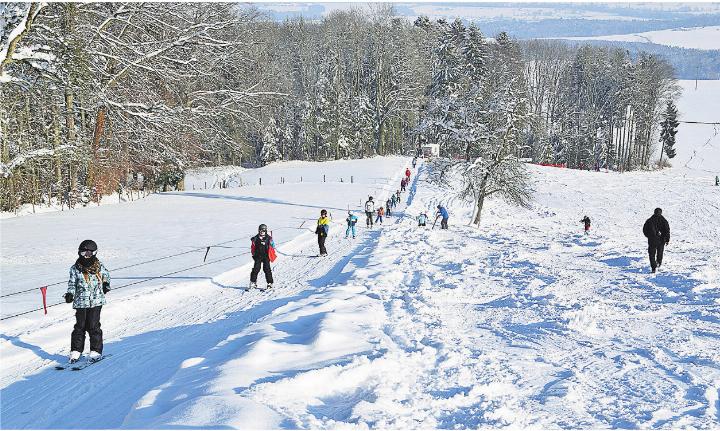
523	322
694	38
38	249
698	145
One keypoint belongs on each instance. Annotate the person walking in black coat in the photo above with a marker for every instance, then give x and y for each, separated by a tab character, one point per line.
657	231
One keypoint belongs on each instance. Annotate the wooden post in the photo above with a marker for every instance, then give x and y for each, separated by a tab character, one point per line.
260	181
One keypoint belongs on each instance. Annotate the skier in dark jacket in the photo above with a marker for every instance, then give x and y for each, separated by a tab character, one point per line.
322	230
586	221
388	207
88	284
657	231
262	248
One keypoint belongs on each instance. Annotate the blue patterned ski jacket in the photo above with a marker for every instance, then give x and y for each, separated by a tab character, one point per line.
87	288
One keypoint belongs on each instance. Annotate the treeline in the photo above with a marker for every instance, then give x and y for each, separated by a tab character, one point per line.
686	62
94	93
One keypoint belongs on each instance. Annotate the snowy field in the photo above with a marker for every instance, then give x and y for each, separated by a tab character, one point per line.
698	145
692	38
524	322
38	249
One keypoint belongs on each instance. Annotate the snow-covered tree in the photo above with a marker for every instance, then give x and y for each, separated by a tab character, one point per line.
668	131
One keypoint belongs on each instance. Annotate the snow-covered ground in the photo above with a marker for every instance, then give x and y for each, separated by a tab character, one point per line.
524	322
693	38
698	145
38	249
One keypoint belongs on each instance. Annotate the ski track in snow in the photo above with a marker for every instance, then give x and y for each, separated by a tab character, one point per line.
524	322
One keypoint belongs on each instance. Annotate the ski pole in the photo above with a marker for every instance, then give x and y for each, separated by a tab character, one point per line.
433	227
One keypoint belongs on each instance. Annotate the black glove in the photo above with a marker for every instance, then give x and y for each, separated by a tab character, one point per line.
68	297
106	287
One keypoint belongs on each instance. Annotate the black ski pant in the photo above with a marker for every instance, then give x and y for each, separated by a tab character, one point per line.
369	215
87	320
265	261
443	223
321	243
655	250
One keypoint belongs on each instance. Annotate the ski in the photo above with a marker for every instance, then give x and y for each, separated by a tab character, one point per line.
77	366
261	289
88	362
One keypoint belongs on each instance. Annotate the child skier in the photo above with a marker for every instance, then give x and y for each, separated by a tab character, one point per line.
369	211
88	284
322	229
402	185
388	206
407	175
422	219
351	221
586	221
380	213
262	249
398	196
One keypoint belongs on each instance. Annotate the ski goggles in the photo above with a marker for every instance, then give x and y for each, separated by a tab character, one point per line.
88	253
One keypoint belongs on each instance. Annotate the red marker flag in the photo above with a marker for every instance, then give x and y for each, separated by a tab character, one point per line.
43	290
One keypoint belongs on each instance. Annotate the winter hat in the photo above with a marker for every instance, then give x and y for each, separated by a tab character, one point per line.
262	227
658	211
88	244
323	212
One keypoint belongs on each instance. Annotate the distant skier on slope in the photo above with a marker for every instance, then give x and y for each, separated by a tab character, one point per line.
369	211
322	230
262	249
422	219
88	284
586	221
388	206
380	213
657	231
442	212
407	175
397	198
351	222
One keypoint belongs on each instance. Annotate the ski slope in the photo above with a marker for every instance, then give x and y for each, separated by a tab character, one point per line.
523	322
698	145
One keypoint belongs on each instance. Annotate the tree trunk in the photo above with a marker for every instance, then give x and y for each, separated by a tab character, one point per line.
480	201
99	129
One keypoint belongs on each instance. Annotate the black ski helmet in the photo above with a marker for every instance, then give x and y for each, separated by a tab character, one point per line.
323	212
369	198
658	211
262	227
88	244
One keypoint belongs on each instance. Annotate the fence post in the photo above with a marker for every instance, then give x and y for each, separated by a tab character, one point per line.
352	180
260	181
205	185
323	177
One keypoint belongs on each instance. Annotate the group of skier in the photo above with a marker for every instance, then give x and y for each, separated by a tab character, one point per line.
89	280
